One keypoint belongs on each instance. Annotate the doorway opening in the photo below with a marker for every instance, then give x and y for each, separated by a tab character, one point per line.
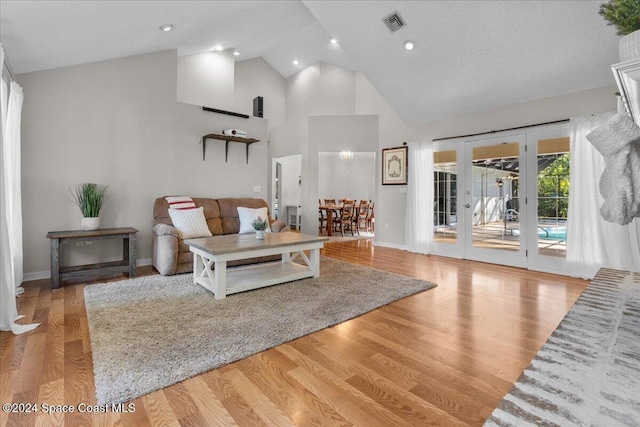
287	197
349	176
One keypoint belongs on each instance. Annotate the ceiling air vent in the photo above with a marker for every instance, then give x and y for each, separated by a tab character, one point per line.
394	22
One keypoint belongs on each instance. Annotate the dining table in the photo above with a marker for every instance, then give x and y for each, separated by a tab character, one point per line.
330	209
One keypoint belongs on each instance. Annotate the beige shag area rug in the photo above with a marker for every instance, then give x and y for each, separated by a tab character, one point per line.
150	332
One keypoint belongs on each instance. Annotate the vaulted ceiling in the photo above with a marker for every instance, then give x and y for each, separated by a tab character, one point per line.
468	56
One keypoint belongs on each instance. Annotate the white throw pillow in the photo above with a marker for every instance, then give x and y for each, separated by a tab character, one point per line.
191	223
248	215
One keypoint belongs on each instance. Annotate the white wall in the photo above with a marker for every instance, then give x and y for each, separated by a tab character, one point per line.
285	140
320	90
290	188
336	91
351	96
118	123
255	77
352	179
207	80
302	94
331	133
391	199
592	101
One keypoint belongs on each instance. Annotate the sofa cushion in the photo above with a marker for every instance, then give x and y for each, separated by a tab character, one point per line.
211	213
210	208
248	215
229	212
190	222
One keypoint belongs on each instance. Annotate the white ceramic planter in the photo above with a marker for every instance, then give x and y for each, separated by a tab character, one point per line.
90	223
260	234
629	47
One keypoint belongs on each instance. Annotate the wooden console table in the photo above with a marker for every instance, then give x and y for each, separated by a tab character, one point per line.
92	271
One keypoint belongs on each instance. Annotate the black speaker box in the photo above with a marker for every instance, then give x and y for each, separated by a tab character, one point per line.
258	107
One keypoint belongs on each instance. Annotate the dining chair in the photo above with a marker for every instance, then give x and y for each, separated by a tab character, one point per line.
346	218
322	218
336	214
371	219
363	212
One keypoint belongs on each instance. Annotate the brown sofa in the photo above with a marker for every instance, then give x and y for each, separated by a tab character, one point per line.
171	255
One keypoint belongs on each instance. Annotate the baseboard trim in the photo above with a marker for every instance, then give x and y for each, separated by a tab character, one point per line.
39	275
390	245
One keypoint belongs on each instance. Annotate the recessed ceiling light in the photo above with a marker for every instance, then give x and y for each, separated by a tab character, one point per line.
236	53
296	62
218	48
409	45
166	27
333	41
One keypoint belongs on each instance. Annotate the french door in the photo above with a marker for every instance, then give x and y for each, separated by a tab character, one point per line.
495	200
503	199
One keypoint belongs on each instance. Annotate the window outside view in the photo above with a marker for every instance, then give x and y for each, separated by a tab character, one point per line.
496	198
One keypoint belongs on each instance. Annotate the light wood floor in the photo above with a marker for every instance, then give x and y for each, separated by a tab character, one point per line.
442	357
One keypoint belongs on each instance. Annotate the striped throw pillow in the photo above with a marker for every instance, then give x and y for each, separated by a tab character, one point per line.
180	202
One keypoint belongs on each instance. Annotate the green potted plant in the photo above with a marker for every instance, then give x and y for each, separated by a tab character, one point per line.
624	15
90	198
260	225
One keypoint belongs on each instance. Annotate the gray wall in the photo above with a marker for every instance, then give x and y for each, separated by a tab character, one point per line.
592	101
390	199
255	77
331	133
290	186
207	79
332	109
353	179
118	123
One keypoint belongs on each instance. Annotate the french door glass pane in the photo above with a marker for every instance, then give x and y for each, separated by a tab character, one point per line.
553	196
495	196
445	218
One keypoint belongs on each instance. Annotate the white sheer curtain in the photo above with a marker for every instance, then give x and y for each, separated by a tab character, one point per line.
592	242
11	273
419	212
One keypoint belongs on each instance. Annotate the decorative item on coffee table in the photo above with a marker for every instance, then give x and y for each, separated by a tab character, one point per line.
260	225
90	198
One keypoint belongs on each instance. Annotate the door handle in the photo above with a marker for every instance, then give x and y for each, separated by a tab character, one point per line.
467	205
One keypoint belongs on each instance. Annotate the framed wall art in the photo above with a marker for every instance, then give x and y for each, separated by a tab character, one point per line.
394	166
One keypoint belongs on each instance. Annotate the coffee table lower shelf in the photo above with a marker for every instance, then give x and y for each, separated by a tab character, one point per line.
240	279
211	254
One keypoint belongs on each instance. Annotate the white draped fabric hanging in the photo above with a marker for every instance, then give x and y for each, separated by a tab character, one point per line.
419	212
592	242
11	261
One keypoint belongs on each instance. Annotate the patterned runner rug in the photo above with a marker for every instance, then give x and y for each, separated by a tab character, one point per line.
588	372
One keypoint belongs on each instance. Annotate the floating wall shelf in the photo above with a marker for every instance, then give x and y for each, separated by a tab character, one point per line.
227	139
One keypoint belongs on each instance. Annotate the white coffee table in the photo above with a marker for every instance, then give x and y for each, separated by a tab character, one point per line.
217	250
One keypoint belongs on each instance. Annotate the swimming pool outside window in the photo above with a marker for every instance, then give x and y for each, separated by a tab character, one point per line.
553	196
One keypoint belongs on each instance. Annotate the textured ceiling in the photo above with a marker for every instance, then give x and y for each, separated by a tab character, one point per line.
469	55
